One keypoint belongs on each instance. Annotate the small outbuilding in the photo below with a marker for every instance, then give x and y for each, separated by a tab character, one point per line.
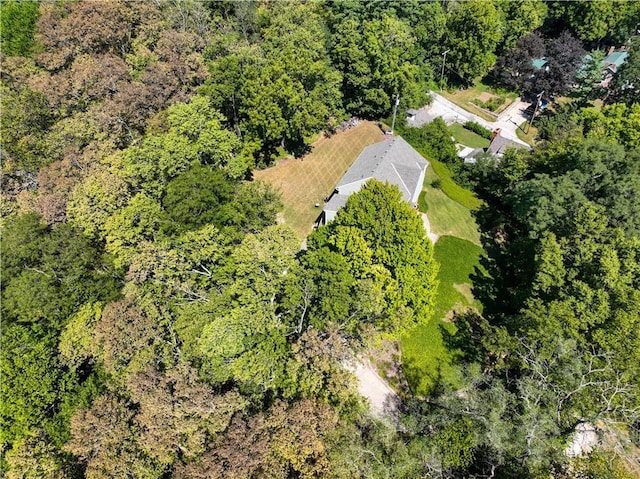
540	64
411	114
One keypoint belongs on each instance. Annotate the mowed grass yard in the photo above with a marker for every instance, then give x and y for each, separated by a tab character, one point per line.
426	358
306	181
464	98
446	216
467	137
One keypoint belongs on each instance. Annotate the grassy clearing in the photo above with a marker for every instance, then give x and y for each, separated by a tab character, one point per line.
426	359
464	99
458	259
446	216
467	137
530	136
449	187
307	181
422	201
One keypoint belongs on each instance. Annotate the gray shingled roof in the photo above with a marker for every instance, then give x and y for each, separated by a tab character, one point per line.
500	144
392	160
336	202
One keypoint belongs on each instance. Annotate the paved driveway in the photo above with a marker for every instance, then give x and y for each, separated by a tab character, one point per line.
507	121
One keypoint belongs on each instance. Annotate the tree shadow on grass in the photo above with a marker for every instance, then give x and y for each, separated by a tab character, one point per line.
423	383
465	344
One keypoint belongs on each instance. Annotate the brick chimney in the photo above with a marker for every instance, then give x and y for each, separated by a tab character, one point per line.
495	134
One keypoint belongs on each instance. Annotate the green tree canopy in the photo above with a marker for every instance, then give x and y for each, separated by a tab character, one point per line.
625	83
598	20
474	30
295	92
379	235
17	23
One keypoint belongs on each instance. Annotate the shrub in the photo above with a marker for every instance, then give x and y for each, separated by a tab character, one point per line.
479	129
492	104
435	140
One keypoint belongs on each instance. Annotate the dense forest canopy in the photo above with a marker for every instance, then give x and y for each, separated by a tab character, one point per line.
160	321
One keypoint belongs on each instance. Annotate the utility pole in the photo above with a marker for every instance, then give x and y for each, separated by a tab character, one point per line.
535	109
444	59
395	110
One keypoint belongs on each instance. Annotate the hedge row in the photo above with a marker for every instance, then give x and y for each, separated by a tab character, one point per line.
479	129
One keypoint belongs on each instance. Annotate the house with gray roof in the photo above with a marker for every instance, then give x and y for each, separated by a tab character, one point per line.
497	148
393	161
499	145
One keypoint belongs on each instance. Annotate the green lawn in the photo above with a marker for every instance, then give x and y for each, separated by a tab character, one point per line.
465	197
458	259
426	359
530	136
446	216
467	137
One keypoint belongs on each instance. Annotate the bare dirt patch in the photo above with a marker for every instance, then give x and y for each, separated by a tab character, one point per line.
387	361
383	401
465	290
486	96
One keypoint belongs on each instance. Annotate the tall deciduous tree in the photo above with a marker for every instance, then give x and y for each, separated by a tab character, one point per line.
94	200
379	57
514	68
474	29
281	441
246	339
564	55
598	20
32	382
142	219
195	136
396	241
626	83
295	93
33	456
125	336
17	22
104	438
26	116
199	196
66	32
521	18
49	272
178	415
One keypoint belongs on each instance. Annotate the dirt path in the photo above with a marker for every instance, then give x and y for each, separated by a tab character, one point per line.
427	226
383	401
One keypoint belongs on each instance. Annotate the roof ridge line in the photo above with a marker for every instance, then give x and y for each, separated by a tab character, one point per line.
400	176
